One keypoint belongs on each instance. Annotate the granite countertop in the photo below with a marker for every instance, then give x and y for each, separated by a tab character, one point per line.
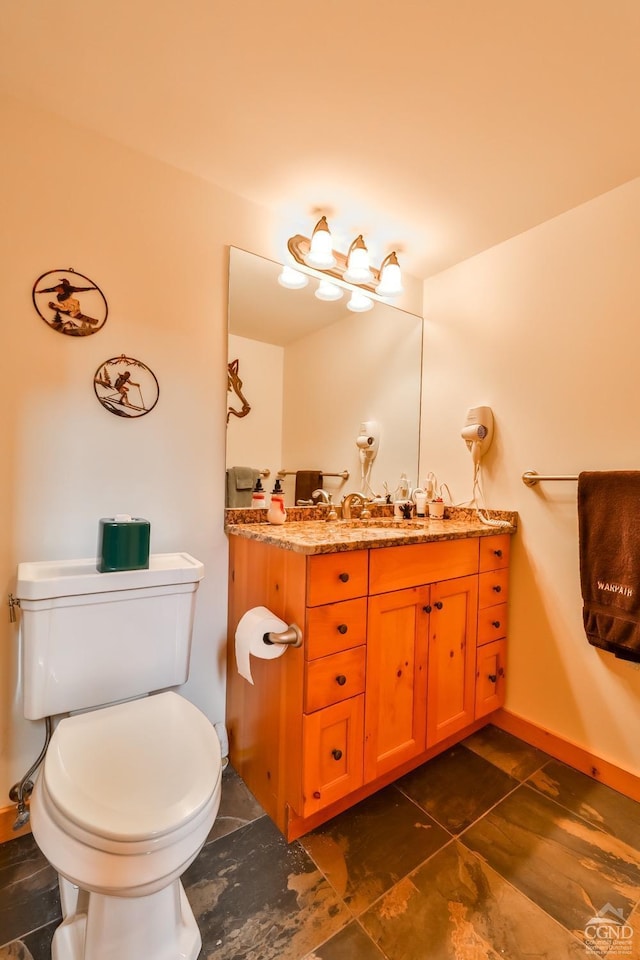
315	536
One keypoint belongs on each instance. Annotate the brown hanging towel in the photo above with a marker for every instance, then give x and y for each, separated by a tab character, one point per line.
306	482
609	540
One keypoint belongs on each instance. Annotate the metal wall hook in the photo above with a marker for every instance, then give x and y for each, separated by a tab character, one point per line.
292	637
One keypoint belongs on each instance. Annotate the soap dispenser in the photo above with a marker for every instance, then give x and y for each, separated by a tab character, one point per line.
277	512
257	497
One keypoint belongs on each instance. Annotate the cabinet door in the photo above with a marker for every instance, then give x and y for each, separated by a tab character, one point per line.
332	746
490	677
396	680
452	657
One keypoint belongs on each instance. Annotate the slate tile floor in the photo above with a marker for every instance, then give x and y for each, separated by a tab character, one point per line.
491	850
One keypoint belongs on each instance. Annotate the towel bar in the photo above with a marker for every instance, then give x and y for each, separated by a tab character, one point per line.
531	477
292	473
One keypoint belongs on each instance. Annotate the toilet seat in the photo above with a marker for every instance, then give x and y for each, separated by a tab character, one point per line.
135	776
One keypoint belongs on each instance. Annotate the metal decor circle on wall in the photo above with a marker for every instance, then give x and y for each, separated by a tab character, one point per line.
70	303
126	387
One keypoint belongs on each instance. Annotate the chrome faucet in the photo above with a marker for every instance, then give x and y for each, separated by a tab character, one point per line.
360	498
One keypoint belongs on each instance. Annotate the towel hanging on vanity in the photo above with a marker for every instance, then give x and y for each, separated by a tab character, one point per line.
609	532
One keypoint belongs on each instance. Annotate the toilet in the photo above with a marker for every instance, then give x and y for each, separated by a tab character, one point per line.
130	784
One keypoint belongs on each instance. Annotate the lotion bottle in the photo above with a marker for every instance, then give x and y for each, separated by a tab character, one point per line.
276	512
257	497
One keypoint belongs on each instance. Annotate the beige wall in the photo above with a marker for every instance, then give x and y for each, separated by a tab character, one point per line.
544	328
156	241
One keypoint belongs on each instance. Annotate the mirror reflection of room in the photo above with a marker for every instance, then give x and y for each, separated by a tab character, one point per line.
311	373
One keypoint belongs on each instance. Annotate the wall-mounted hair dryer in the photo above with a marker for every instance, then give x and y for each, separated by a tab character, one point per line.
478	431
368	439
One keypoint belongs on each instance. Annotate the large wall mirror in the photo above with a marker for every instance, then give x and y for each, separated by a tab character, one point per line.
311	372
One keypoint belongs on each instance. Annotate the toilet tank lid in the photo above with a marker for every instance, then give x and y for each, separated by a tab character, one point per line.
44	579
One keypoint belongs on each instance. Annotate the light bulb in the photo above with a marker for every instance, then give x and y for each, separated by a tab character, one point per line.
292	279
320	253
390	277
359	303
328	291
358	263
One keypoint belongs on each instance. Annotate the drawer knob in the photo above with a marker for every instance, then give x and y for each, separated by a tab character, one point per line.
336	754
498	553
316	794
341	679
497	588
342	628
492	677
496	624
438	604
344	577
427	609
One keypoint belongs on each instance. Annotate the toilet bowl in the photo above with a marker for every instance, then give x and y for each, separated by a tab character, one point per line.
123	804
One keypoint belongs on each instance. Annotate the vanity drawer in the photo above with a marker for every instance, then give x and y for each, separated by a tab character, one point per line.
333	753
492	623
397	568
493	588
494	552
490	677
335	626
337	576
331	679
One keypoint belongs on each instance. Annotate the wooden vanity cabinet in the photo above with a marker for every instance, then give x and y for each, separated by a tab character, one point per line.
403	655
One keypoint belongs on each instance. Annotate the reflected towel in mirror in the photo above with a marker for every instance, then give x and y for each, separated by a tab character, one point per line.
306	482
240	484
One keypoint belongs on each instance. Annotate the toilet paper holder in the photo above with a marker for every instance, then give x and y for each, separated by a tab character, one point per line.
291	637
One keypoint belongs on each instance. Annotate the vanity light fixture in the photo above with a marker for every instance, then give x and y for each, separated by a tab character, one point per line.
390	277
358	263
328	291
320	254
359	303
292	279
353	269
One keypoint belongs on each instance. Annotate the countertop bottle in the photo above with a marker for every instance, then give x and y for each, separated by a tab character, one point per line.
276	512
257	497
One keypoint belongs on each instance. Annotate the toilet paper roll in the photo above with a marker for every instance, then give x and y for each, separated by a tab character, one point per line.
249	639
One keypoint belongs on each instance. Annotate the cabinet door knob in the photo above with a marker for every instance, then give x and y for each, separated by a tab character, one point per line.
344	577
427	609
342	628
492	677
336	754
498	553
316	794
497	588
495	623
438	604
341	679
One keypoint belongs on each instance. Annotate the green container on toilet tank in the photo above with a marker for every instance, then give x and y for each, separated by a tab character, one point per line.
123	543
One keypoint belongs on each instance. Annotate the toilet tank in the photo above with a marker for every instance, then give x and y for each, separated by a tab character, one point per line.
92	638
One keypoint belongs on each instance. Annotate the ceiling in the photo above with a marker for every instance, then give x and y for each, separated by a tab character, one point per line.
438	127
